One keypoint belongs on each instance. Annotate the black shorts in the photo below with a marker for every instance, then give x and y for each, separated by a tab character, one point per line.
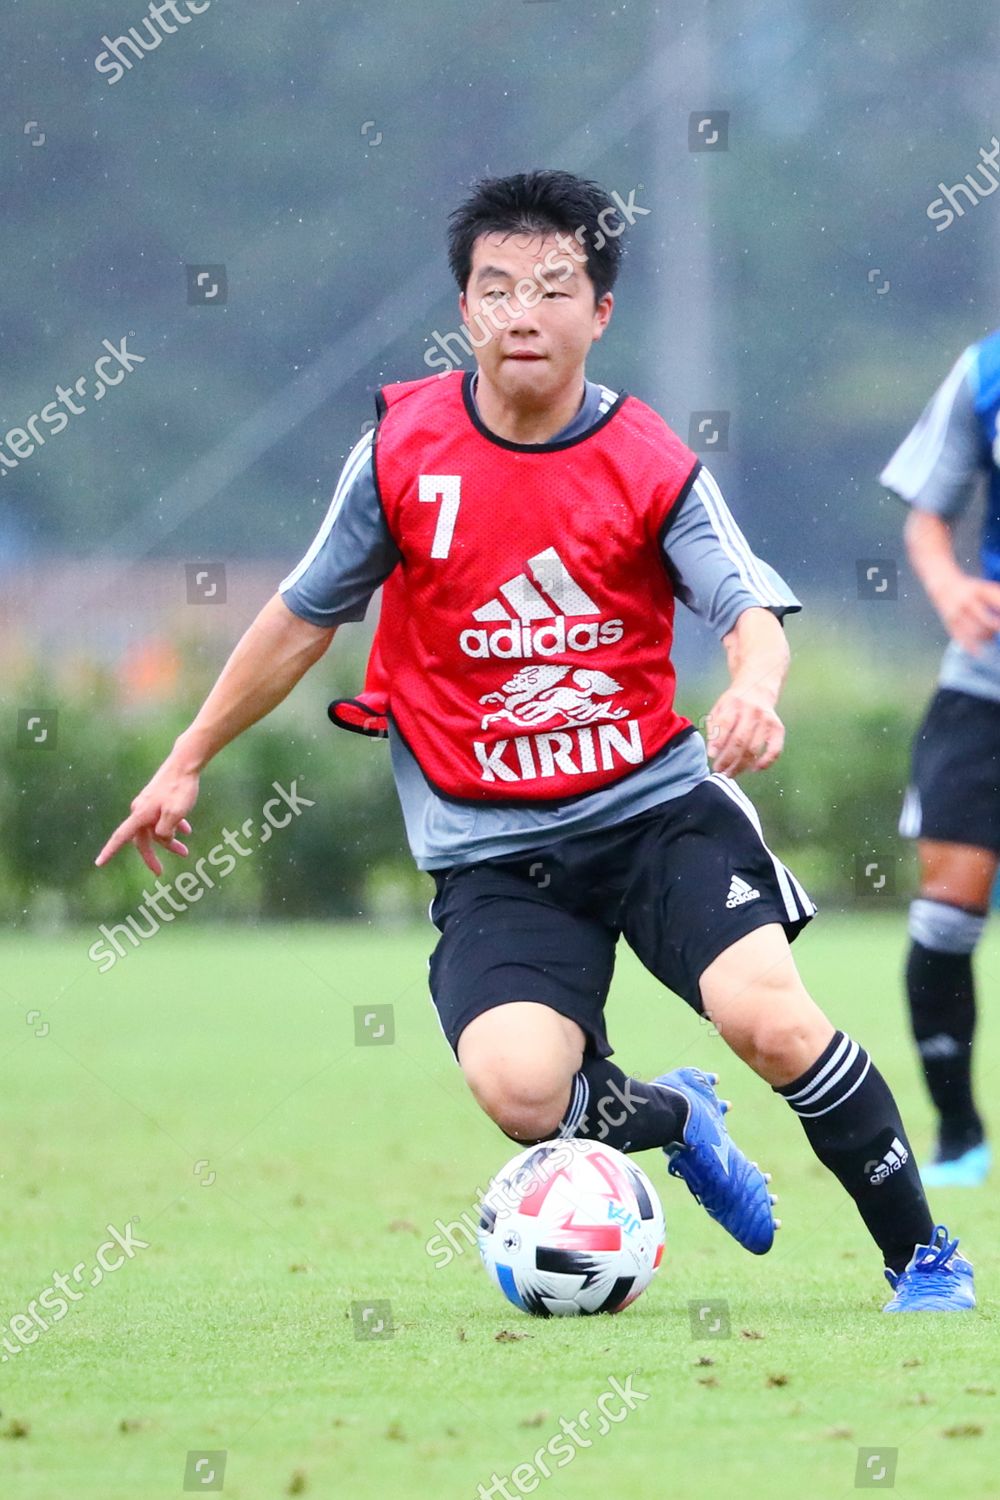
954	791
681	883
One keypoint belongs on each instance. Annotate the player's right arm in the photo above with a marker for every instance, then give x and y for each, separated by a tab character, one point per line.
969	607
350	557
935	470
276	651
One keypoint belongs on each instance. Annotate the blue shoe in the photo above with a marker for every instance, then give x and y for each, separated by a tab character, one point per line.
971	1169
936	1279
730	1188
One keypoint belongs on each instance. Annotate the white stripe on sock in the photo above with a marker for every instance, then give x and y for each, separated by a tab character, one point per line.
842	1047
579	1100
815	1114
817	1090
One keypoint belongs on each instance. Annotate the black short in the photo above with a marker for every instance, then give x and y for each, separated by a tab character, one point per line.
954	791
681	883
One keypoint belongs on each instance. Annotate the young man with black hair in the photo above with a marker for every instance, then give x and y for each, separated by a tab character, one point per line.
532	531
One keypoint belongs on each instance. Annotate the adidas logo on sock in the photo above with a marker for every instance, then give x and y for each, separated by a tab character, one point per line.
740	892
897	1156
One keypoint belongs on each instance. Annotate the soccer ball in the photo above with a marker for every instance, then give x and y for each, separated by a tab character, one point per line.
569	1228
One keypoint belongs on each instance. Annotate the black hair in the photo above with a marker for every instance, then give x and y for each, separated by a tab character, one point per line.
540	202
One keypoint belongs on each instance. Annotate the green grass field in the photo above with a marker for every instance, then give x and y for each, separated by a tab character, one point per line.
209	1087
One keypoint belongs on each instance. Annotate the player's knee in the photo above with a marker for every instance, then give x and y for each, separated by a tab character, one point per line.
519	1061
526	1099
775	1026
957	875
783	1046
944	928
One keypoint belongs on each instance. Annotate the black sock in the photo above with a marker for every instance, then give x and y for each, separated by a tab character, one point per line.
942	999
852	1123
606	1105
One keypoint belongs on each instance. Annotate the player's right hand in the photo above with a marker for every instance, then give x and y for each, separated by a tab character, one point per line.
970	611
158	814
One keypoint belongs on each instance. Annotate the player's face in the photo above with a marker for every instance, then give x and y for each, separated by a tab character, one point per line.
530	310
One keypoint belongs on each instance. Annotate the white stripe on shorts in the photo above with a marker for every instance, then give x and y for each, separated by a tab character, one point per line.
910	815
797	903
808	906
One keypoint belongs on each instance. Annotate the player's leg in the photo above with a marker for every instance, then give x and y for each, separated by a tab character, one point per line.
519	980
756	999
946	923
952	808
754	996
711	912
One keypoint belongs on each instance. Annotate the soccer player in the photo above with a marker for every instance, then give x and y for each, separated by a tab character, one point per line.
533	530
952	806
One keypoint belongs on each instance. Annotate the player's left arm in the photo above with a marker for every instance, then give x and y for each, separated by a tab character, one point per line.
743	599
936	470
744	731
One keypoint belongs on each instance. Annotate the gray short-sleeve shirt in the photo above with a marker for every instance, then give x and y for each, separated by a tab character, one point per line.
939	467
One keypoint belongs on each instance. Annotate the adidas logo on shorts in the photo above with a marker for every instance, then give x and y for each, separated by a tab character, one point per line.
897	1156
740	892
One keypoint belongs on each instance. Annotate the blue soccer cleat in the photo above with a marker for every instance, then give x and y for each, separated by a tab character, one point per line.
730	1188
971	1169
936	1279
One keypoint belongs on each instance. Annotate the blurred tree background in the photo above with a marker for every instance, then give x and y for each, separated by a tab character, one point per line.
790	277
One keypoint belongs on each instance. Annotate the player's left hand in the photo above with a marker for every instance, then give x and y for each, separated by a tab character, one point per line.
743	732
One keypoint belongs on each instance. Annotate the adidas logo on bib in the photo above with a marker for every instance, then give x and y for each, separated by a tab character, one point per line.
545	614
740	892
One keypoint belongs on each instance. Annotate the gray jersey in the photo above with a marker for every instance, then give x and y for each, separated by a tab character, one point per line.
714	572
939	467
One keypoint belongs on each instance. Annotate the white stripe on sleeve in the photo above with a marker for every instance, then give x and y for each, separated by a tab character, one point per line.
733	542
358	457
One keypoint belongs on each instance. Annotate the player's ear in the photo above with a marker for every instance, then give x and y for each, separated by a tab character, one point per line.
463	307
602	314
